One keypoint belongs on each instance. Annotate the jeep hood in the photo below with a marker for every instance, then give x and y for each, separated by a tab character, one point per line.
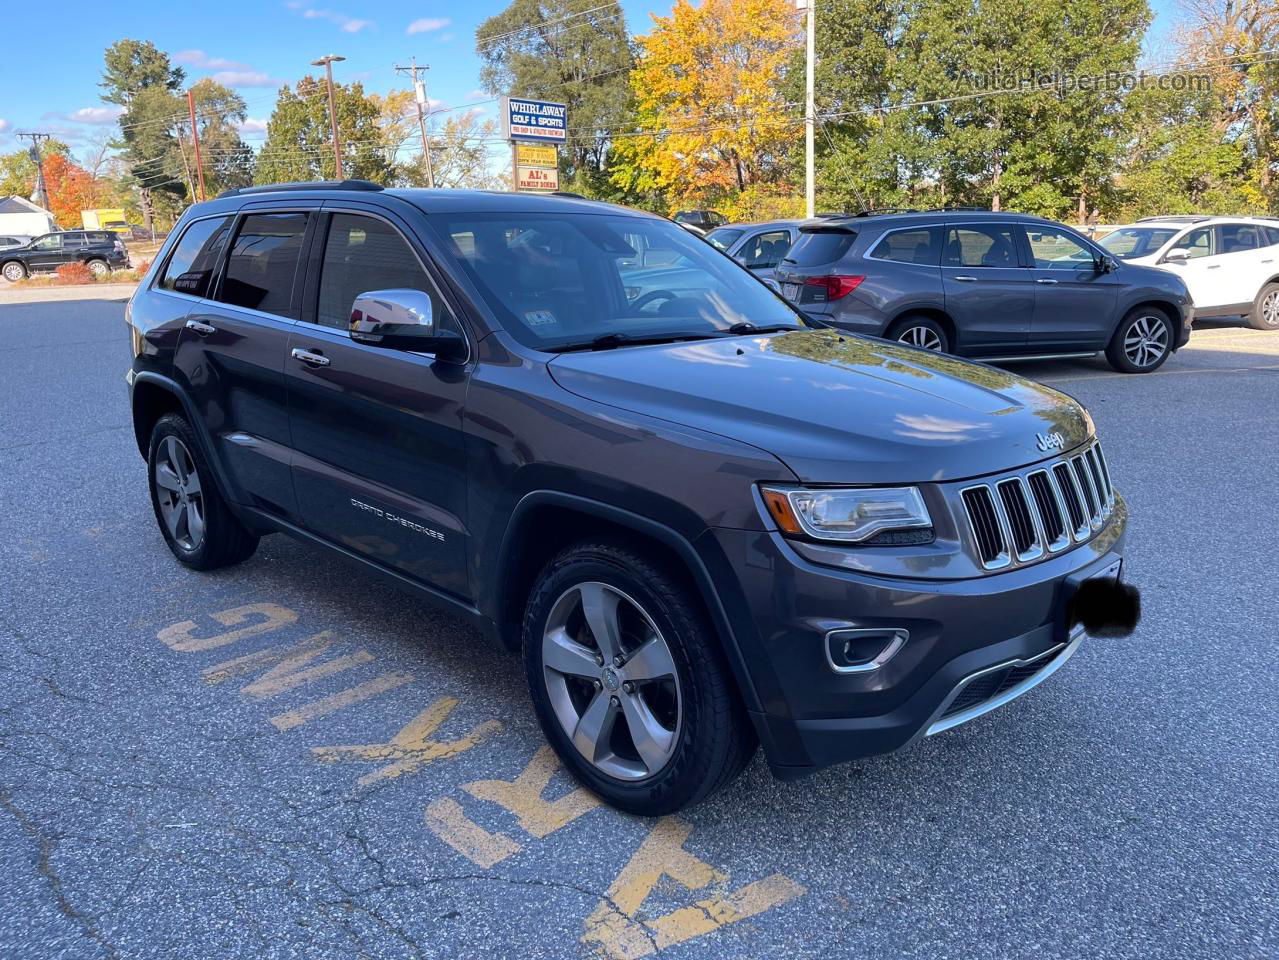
838	408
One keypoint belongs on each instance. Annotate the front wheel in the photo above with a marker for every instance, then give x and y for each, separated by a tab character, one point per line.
1142	341
14	271
1265	310
628	682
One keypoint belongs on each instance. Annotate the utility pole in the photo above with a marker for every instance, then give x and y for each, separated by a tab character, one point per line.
419	97
41	192
327	63
810	108
195	136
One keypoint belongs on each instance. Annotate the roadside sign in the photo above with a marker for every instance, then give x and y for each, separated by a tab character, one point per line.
536	155
536	120
537	178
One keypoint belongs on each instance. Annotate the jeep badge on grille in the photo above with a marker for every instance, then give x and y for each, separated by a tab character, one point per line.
1050	441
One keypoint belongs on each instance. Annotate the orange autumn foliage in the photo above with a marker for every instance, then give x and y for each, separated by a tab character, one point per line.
71	190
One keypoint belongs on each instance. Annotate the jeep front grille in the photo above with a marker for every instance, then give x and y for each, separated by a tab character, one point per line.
1020	518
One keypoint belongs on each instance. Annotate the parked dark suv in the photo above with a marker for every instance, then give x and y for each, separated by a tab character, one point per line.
985	285
101	250
706	522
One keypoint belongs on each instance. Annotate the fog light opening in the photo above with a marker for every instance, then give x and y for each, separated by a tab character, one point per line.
863	650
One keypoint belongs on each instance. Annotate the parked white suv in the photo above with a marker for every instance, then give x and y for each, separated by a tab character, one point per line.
1229	264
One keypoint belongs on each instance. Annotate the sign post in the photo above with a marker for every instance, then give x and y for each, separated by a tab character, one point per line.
535	128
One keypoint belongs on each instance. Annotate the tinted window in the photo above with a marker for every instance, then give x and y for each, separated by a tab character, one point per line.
819	247
364	254
1237	237
1135	241
263	265
981	245
1198	243
724	237
765	249
74	241
1057	249
195	258
920	245
559	279
1271	235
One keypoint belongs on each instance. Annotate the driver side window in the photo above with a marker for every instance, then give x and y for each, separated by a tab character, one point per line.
362	254
1198	243
51	242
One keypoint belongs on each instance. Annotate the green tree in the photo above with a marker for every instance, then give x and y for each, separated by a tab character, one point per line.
299	142
459	156
567	51
227	159
139	77
18	169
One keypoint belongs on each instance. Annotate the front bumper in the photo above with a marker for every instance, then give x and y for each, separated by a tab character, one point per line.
973	645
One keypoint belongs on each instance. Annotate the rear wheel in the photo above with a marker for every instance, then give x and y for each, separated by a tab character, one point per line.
196	522
1265	310
99	268
628	682
14	271
1142	341
922	332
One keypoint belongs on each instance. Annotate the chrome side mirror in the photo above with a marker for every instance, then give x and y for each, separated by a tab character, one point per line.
403	320
377	314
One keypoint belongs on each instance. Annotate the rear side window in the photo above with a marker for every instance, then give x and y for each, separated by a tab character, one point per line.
980	245
921	245
74	241
1237	237
815	248
263	266
1271	235
195	259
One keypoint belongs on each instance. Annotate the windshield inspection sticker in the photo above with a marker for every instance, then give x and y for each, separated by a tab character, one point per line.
540	318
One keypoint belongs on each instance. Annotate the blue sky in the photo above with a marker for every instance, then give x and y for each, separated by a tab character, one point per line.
52	55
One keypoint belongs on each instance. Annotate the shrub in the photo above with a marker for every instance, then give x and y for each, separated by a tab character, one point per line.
71	273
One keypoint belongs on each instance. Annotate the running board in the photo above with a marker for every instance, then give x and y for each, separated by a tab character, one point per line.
1037	356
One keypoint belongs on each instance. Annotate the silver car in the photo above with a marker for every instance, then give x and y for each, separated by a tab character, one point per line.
759	247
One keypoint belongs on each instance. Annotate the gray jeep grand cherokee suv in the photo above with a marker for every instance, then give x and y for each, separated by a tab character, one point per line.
706	523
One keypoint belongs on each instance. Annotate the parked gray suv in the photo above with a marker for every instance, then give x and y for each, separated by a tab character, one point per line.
985	285
705	523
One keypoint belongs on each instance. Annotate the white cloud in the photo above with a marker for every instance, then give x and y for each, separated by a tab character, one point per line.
252	125
428	24
243	78
4	124
95	115
202	61
345	23
477	95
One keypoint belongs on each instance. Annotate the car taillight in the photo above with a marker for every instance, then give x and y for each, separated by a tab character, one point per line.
837	285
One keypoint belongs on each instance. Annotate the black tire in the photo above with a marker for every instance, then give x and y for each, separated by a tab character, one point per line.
222	539
712	739
1265	309
98	267
1131	350
916	330
13	271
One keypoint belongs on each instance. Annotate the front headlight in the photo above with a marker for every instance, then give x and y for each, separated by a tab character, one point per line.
851	515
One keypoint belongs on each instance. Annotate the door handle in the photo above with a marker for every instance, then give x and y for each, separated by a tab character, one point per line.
1214	266
306	356
1271	260
1045	280
203	329
965	279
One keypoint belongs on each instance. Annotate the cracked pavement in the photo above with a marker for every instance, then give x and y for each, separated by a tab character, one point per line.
1125	809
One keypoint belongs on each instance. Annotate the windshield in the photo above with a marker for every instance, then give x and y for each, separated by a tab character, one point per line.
1129	242
556	280
724	237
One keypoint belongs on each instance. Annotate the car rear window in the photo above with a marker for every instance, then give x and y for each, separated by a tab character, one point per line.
920	245
816	247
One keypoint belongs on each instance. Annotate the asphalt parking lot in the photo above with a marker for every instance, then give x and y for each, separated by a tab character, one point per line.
289	759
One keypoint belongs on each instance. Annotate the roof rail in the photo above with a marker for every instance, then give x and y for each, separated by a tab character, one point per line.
1183	217
880	211
368	185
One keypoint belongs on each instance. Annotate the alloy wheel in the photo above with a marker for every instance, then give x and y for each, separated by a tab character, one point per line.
1146	341
179	493
98	268
1270	309
13	272
612	681
921	337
